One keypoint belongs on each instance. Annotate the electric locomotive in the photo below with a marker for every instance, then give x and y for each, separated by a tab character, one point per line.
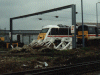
91	34
55	31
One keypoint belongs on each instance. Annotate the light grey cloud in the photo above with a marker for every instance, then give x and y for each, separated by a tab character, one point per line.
13	8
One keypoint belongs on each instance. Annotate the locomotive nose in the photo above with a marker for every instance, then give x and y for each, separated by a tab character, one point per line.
80	34
41	36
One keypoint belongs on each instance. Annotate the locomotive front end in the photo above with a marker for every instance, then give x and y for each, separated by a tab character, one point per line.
42	34
79	36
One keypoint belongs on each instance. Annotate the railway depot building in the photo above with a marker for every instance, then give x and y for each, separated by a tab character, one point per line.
24	36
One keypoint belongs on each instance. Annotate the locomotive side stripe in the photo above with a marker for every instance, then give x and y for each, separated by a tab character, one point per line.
59	36
93	35
68	36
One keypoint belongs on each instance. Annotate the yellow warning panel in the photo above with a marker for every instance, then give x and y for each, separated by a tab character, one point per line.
2	38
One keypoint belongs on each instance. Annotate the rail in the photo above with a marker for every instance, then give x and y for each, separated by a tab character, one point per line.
78	68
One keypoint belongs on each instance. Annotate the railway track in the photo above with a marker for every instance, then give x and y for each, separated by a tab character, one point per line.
3	52
73	69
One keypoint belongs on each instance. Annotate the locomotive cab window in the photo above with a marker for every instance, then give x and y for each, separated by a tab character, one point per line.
91	30
85	28
54	31
44	30
98	31
63	31
70	31
60	31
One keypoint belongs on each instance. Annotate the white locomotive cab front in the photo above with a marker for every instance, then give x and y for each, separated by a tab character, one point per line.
43	33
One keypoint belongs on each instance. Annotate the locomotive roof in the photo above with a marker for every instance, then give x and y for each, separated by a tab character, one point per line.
51	26
90	25
55	26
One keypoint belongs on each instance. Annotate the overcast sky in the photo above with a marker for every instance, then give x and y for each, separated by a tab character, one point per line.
14	8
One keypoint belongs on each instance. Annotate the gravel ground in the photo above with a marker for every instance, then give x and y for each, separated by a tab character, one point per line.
28	59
